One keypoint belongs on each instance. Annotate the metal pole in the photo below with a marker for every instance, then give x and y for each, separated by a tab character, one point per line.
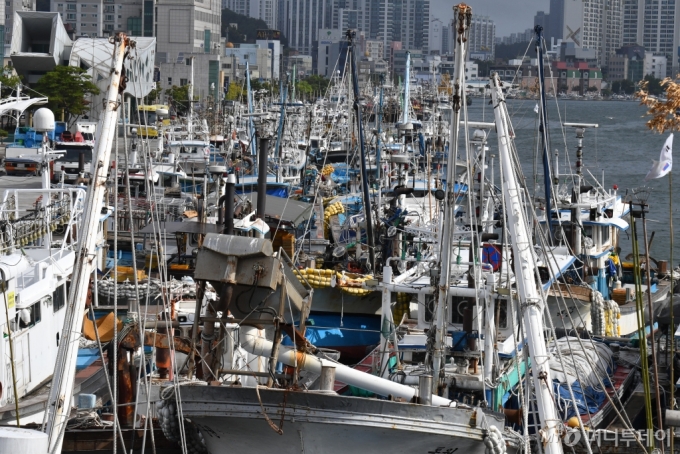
364	173
262	177
657	390
61	393
229	205
530	299
463	16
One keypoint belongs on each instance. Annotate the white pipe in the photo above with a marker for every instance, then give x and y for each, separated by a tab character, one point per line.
259	346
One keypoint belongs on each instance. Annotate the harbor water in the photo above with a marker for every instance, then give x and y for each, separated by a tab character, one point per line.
622	147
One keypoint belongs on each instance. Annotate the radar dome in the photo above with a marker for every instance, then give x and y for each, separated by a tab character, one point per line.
43	120
230	45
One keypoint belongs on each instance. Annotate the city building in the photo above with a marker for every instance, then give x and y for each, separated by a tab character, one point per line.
303	65
9	7
447	47
436	37
593	24
259	59
301	21
186	31
555	25
331	44
100	18
655	25
266	10
482	38
276	53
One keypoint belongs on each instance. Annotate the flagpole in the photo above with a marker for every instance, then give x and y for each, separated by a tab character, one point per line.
672	403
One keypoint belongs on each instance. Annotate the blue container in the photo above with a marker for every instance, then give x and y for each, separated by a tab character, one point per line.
86	401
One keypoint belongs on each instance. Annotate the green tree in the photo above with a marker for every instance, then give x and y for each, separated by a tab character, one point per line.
303	89
67	88
319	84
179	98
653	85
153	96
9	80
234	93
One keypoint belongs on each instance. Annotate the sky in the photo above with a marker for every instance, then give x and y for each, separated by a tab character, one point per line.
510	16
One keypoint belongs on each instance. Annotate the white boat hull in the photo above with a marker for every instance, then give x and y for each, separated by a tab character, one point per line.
230	420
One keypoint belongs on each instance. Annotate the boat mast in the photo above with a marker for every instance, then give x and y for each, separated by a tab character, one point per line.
530	300
380	113
364	173
543	129
462	14
190	95
61	393
407	89
251	125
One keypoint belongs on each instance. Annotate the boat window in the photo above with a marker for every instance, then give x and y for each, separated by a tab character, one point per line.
457	308
73	154
59	298
606	231
502	313
315	144
30	316
88	136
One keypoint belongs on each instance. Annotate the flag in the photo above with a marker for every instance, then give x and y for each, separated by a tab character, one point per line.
536	108
664	165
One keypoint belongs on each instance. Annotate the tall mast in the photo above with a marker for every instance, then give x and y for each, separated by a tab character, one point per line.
190	95
362	145
407	87
61	392
530	300
251	107
462	15
543	128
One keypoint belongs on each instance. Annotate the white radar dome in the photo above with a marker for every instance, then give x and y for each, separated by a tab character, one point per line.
43	120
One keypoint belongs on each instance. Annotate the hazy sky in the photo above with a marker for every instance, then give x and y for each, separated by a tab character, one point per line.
510	16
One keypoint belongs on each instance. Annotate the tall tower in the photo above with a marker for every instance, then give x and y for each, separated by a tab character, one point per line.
594	24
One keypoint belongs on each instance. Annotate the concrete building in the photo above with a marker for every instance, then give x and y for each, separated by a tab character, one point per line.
331	44
266	10
276	54
301	21
593	24
482	36
303	65
9	7
555	26
259	59
655	65
185	30
654	25
374	48
447	43
436	37
100	18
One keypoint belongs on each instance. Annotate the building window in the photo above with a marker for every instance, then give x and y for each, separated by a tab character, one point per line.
182	82
71	7
108	27
70	16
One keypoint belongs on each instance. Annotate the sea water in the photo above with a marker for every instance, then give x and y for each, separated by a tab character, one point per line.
622	147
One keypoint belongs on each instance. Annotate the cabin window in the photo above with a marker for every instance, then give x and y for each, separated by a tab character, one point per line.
59	298
606	231
30	316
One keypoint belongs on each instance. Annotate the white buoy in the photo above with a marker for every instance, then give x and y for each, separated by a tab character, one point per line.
22	441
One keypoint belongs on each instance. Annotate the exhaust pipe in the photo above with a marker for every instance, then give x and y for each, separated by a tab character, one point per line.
259	346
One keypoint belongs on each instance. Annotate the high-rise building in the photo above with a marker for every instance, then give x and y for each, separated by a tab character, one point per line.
482	37
267	10
594	24
655	26
555	25
9	8
301	21
436	36
446	40
186	33
100	18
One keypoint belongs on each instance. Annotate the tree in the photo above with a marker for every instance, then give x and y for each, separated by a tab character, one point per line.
235	92
303	88
319	84
664	113
653	85
152	96
66	88
9	80
179	98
